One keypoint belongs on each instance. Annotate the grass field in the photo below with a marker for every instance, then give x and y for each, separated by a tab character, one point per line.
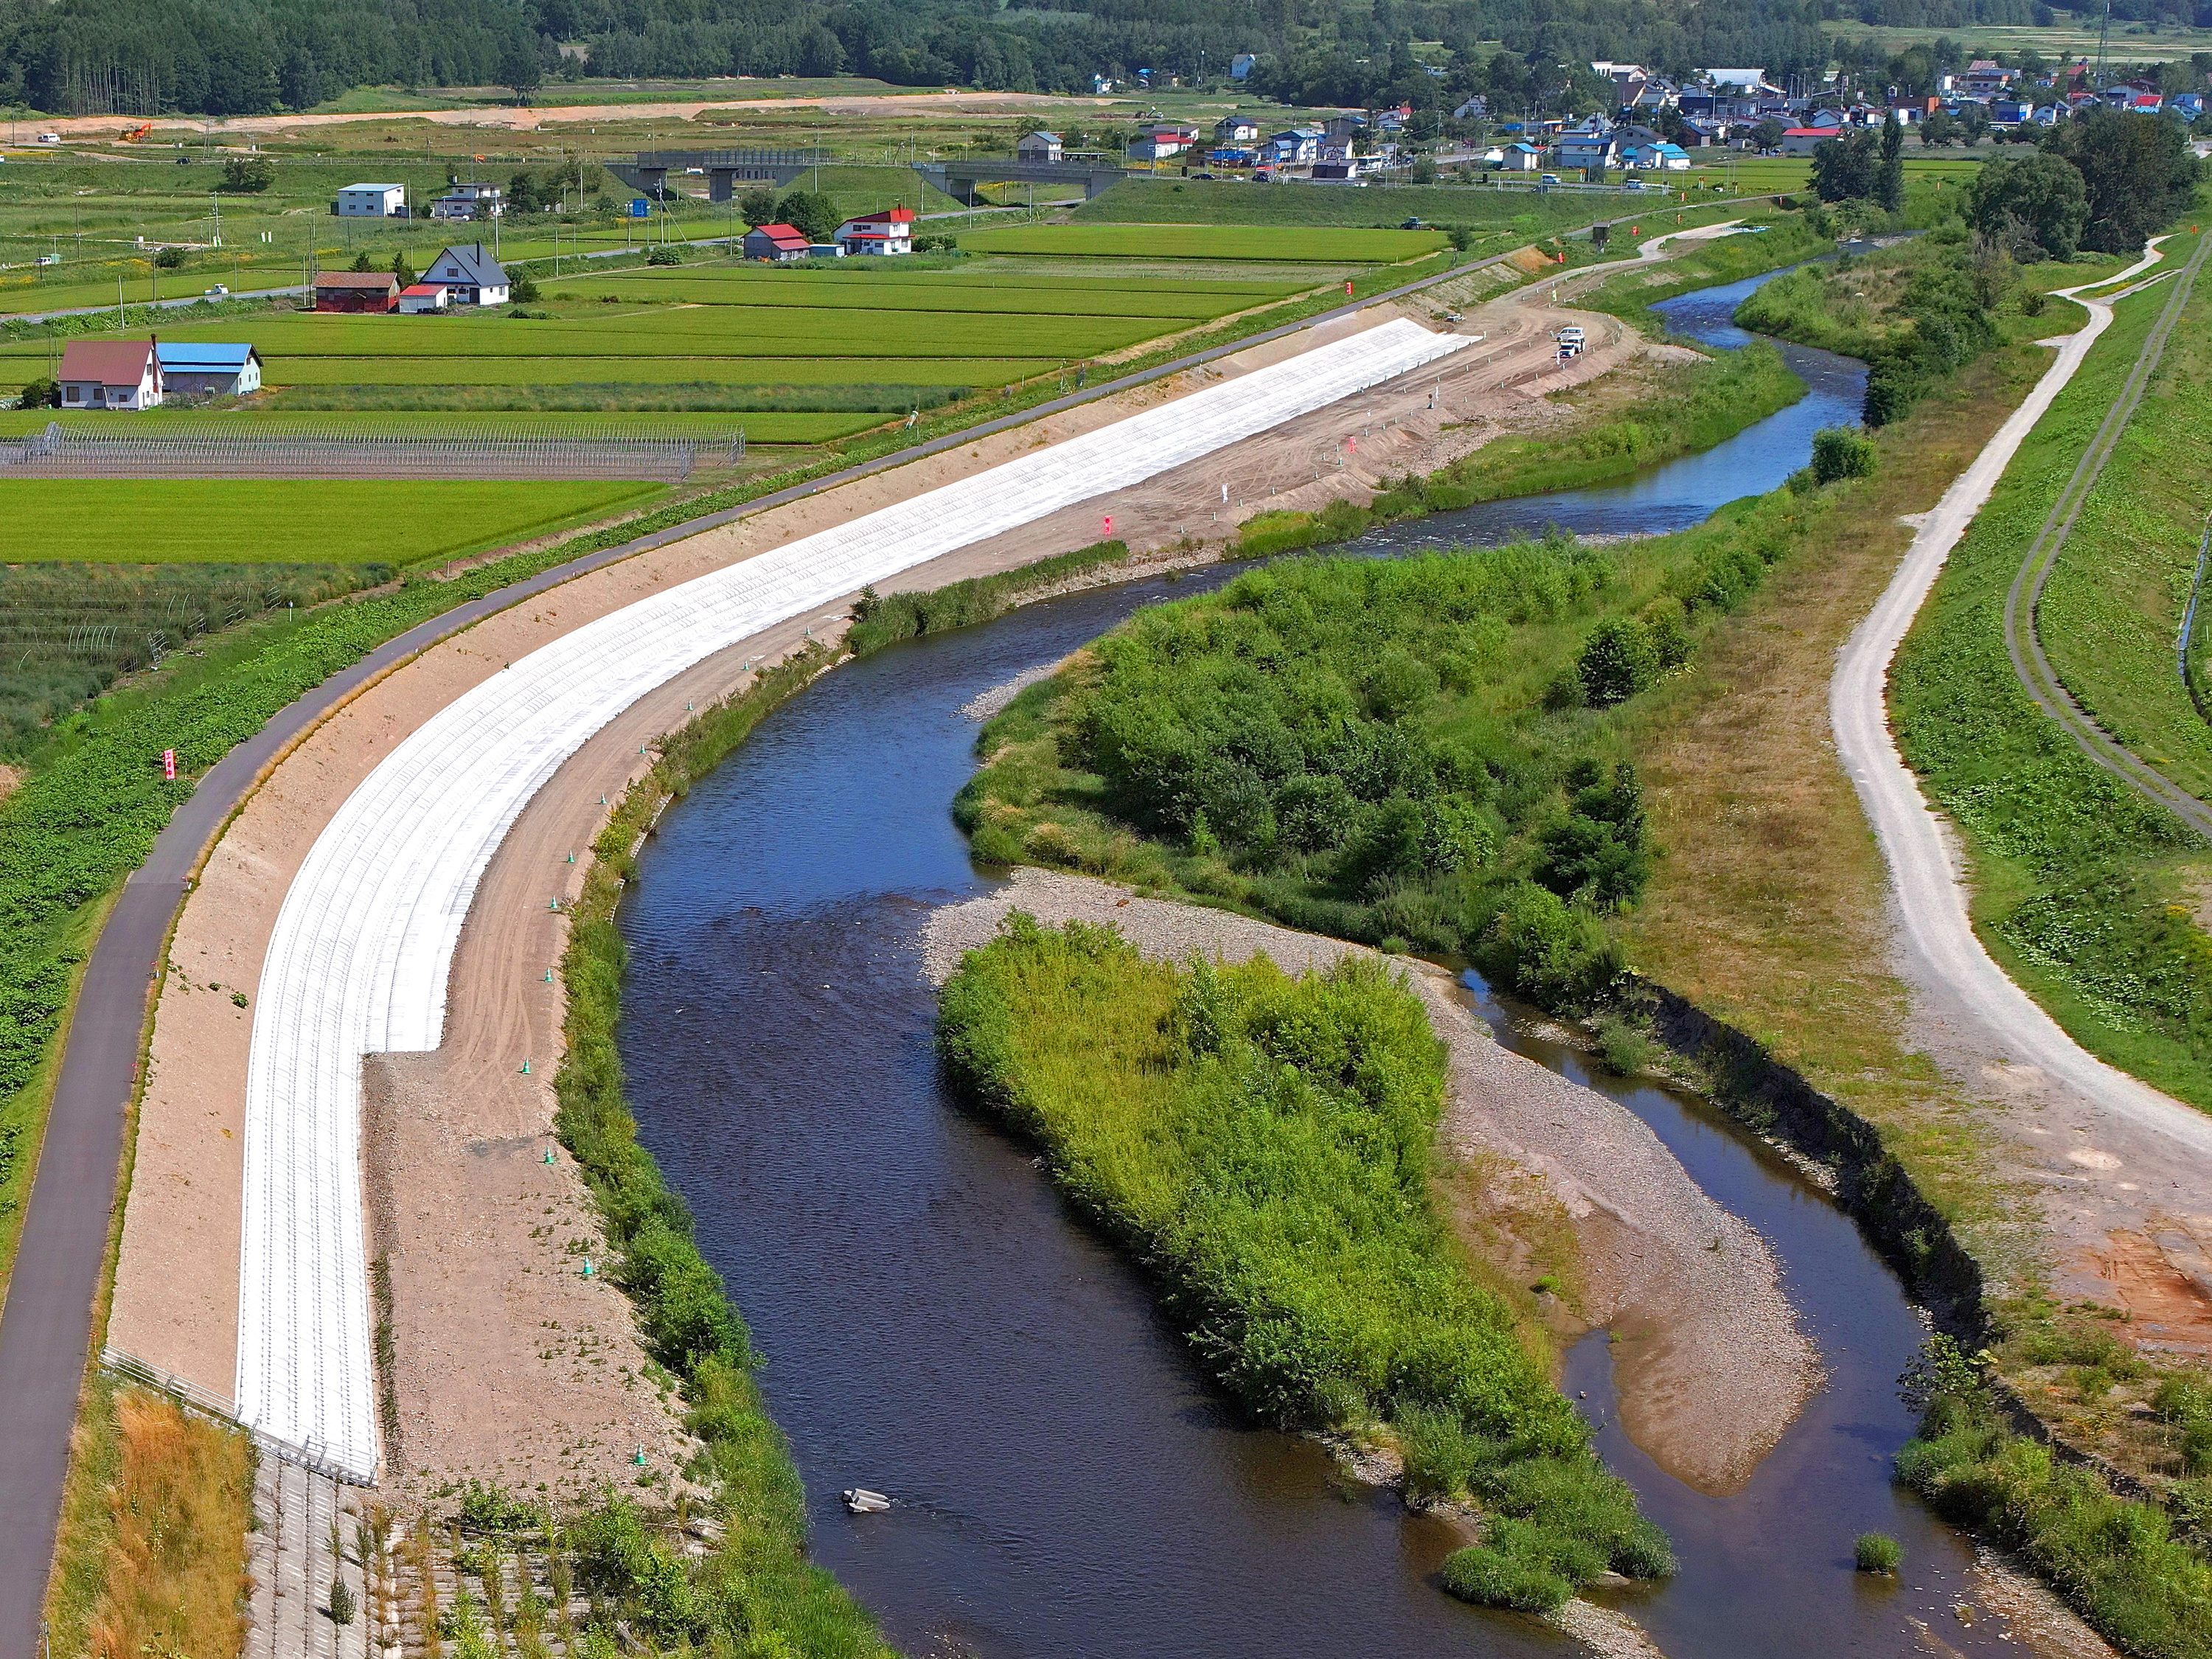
984	322
1328	247
2088	896
2112	609
287	520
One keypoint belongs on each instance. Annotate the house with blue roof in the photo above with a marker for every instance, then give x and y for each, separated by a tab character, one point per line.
198	368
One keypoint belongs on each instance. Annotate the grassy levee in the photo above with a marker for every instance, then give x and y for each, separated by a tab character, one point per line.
2111	611
2082	890
1261	1145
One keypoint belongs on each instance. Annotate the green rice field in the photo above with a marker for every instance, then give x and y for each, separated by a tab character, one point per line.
1314	244
736	326
290	521
760	426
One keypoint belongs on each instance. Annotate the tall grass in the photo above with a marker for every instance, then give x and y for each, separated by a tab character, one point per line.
152	1557
1261	1145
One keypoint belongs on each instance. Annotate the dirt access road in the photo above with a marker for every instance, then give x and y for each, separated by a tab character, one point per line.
2124	1168
517	119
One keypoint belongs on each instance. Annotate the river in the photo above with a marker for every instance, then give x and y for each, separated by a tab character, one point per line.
936	1325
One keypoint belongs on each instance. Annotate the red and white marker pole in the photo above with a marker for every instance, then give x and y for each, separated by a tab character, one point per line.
169	765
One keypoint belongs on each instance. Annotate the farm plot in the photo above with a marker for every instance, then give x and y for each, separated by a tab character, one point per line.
999	292
760	426
290	521
1314	244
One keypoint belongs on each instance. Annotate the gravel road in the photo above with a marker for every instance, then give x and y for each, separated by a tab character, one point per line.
1936	934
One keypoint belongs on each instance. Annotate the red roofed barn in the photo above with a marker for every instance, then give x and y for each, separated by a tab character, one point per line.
776	242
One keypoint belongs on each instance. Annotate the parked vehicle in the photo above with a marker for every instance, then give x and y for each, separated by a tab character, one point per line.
1549	179
219	291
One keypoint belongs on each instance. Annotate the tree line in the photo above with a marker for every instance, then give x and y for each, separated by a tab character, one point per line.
254	57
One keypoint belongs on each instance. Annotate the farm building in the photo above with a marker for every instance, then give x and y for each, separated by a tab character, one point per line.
469	200
1038	147
372	202
888	231
109	374
195	369
1518	157
421	297
1799	140
355	290
779	243
469	276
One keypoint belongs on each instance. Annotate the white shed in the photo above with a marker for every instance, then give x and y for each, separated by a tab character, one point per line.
372	202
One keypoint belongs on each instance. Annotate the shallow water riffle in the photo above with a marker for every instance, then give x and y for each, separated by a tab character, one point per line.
938	1326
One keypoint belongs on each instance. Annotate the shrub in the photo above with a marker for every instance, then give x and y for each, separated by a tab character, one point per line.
1840	453
1617	661
170	259
1877	1552
664	256
523	291
342	1602
40	394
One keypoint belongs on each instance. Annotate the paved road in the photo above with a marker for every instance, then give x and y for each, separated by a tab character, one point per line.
1930	898
46	1324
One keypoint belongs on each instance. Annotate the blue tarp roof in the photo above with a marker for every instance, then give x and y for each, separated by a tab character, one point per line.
194	356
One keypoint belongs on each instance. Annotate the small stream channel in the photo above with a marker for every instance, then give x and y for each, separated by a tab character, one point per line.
936	1326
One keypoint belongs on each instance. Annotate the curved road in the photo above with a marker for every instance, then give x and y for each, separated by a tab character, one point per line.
45	1322
1930	898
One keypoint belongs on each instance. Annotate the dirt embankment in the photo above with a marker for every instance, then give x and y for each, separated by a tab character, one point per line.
1710	1363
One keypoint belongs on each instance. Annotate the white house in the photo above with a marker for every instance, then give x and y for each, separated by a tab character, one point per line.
372	202
469	276
1241	65
469	200
890	230
109	374
1234	129
1518	157
1038	147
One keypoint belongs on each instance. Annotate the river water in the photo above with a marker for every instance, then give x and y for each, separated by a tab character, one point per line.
936	1325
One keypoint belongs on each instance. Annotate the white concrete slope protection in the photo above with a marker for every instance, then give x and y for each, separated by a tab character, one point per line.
1930	898
359	958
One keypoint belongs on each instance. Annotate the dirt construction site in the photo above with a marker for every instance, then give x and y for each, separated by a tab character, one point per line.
499	1357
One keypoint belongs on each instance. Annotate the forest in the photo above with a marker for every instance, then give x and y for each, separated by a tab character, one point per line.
223	58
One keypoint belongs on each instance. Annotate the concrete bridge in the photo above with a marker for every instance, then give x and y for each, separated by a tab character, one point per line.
958	180
727	170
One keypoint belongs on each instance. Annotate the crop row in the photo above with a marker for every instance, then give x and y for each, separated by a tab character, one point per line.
291	520
1193	300
712	332
1298	244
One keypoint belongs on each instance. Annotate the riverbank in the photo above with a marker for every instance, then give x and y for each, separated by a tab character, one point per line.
1545	1184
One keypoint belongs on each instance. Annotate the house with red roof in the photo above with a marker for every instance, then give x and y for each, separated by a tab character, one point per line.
779	243
1799	140
890	231
109	374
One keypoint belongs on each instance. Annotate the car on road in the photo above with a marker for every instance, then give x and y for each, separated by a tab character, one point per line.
1632	184
1549	179
218	292
1411	224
